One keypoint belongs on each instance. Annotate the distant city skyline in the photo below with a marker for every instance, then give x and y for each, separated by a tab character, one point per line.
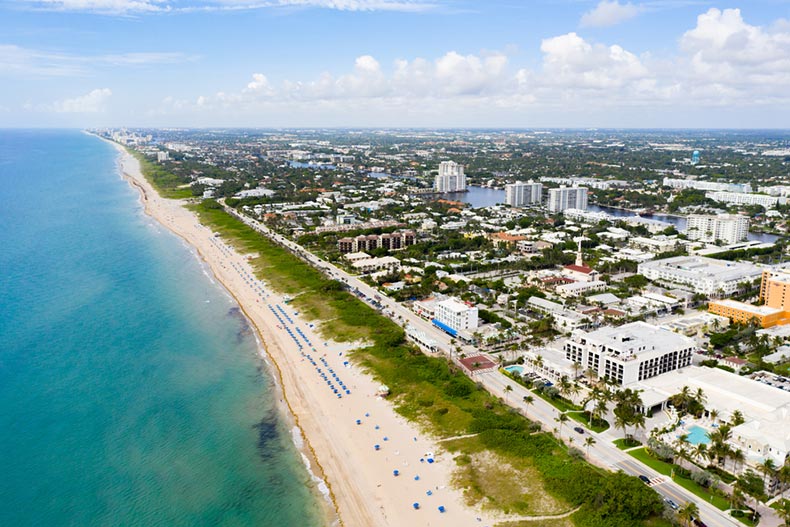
395	63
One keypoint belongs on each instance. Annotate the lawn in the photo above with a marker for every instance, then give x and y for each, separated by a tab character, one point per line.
624	444
666	469
559	403
583	418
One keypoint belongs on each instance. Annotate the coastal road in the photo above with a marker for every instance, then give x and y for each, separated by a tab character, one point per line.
602	453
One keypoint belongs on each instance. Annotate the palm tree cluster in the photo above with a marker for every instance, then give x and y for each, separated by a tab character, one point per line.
600	396
628	409
688	402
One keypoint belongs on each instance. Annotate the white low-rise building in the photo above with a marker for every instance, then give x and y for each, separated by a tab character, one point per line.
746	199
630	353
707	276
580	288
455	315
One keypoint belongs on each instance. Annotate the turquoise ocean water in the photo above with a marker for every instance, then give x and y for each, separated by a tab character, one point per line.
131	391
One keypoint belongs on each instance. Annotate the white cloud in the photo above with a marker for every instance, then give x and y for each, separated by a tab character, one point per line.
17	61
134	7
103	6
609	13
571	62
724	55
259	85
721	62
92	102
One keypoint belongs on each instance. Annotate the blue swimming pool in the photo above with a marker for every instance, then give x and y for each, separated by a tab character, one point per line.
515	369
697	435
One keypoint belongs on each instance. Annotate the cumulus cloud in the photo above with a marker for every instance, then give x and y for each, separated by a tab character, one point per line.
92	102
572	62
726	55
609	13
722	60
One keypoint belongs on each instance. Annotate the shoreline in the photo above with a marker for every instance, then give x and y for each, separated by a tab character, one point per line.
325	498
354	479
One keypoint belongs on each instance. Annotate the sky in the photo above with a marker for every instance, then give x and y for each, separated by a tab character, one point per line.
395	63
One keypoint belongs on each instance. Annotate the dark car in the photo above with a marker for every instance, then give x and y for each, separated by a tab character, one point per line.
578	429
644	478
699	523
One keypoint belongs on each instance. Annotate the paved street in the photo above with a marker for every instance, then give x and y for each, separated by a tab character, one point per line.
602	453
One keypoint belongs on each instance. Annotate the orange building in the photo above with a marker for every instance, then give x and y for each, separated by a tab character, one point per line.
775	289
743	313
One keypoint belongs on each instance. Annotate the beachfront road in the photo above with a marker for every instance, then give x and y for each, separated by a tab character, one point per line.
602	453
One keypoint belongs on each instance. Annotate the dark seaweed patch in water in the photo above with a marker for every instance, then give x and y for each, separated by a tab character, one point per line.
245	330
268	435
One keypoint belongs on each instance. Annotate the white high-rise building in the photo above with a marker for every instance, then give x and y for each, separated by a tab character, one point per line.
522	193
729	228
451	177
567	198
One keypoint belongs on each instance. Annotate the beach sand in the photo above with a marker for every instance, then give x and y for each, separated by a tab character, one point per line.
362	487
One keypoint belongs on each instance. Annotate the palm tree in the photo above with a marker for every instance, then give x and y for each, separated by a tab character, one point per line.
700	452
562	419
784	476
700	396
688	512
737	498
564	385
737	418
737	456
588	442
528	400
768	468
681	447
508	389
538	362
783	510
714	415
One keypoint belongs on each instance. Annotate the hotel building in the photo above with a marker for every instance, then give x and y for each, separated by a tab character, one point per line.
629	353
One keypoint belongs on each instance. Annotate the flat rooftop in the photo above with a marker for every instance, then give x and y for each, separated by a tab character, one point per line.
639	338
695	267
749	308
765	408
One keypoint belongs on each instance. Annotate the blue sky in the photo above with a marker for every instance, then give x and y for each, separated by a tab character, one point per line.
428	63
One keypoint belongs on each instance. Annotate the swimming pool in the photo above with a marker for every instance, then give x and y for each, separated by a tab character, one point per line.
697	435
515	369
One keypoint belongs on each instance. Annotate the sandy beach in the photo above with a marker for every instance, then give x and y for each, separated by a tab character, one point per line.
355	441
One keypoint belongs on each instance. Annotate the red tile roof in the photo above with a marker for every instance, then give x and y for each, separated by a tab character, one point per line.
579	268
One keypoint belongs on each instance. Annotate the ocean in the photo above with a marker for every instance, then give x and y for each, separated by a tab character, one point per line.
131	388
